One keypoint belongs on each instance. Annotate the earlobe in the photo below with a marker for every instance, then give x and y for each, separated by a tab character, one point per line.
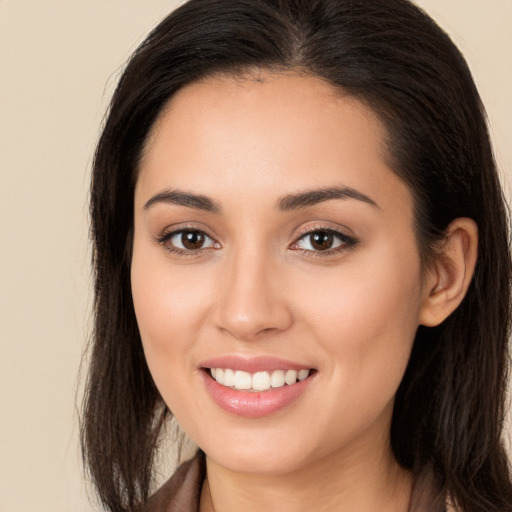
451	274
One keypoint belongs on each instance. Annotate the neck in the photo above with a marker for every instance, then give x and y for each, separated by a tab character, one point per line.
364	478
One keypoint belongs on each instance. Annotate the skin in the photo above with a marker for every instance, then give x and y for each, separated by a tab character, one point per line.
258	288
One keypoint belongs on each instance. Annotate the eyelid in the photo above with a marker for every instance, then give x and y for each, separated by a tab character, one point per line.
327	226
186	226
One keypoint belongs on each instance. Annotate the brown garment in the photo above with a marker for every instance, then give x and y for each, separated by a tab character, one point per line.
182	492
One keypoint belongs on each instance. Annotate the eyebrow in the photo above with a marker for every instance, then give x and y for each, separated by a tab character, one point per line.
181	198
285	203
312	197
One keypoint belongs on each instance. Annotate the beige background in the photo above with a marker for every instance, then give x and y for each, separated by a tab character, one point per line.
59	60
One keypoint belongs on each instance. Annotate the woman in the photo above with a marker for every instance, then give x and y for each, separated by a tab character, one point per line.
300	252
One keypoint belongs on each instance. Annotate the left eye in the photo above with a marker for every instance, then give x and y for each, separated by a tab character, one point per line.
190	240
321	240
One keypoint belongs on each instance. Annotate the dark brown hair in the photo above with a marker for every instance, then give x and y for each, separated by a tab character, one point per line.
449	408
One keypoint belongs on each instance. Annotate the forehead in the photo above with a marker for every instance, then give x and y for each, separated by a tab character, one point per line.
260	132
287	103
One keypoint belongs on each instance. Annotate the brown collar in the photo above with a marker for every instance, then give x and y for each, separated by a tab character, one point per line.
182	492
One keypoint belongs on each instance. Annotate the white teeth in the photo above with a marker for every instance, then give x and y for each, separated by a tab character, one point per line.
277	379
219	375
303	374
229	377
290	377
242	380
259	381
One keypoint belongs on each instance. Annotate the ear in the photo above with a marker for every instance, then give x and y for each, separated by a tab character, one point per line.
448	280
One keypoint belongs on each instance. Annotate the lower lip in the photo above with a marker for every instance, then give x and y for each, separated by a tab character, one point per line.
253	404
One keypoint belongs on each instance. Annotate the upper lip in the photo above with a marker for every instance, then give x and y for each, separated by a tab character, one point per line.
252	364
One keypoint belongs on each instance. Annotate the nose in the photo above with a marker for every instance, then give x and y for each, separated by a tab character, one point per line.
253	302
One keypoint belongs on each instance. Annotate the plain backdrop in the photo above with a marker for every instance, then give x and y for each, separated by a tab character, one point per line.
59	62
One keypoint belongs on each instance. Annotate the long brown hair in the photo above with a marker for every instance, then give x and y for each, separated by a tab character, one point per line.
449	408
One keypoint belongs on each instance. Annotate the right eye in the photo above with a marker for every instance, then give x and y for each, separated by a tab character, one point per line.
187	241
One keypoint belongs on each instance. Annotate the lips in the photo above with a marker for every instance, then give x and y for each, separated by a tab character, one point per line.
243	386
252	364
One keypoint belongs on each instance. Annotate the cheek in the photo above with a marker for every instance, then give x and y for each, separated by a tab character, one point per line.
170	306
365	315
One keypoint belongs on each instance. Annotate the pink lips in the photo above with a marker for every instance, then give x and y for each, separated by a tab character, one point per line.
253	404
252	364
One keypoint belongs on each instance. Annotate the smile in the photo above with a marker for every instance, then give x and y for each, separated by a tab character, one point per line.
255	387
258	381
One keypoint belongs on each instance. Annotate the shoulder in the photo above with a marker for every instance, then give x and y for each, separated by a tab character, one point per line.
182	491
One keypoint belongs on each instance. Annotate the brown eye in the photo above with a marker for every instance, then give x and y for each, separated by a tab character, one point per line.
321	240
324	240
192	239
189	240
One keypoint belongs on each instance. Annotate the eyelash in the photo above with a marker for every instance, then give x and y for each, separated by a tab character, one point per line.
347	242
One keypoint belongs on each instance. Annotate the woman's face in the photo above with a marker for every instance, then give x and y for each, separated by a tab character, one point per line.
271	237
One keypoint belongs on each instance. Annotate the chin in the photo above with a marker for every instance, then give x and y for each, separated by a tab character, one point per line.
262	457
